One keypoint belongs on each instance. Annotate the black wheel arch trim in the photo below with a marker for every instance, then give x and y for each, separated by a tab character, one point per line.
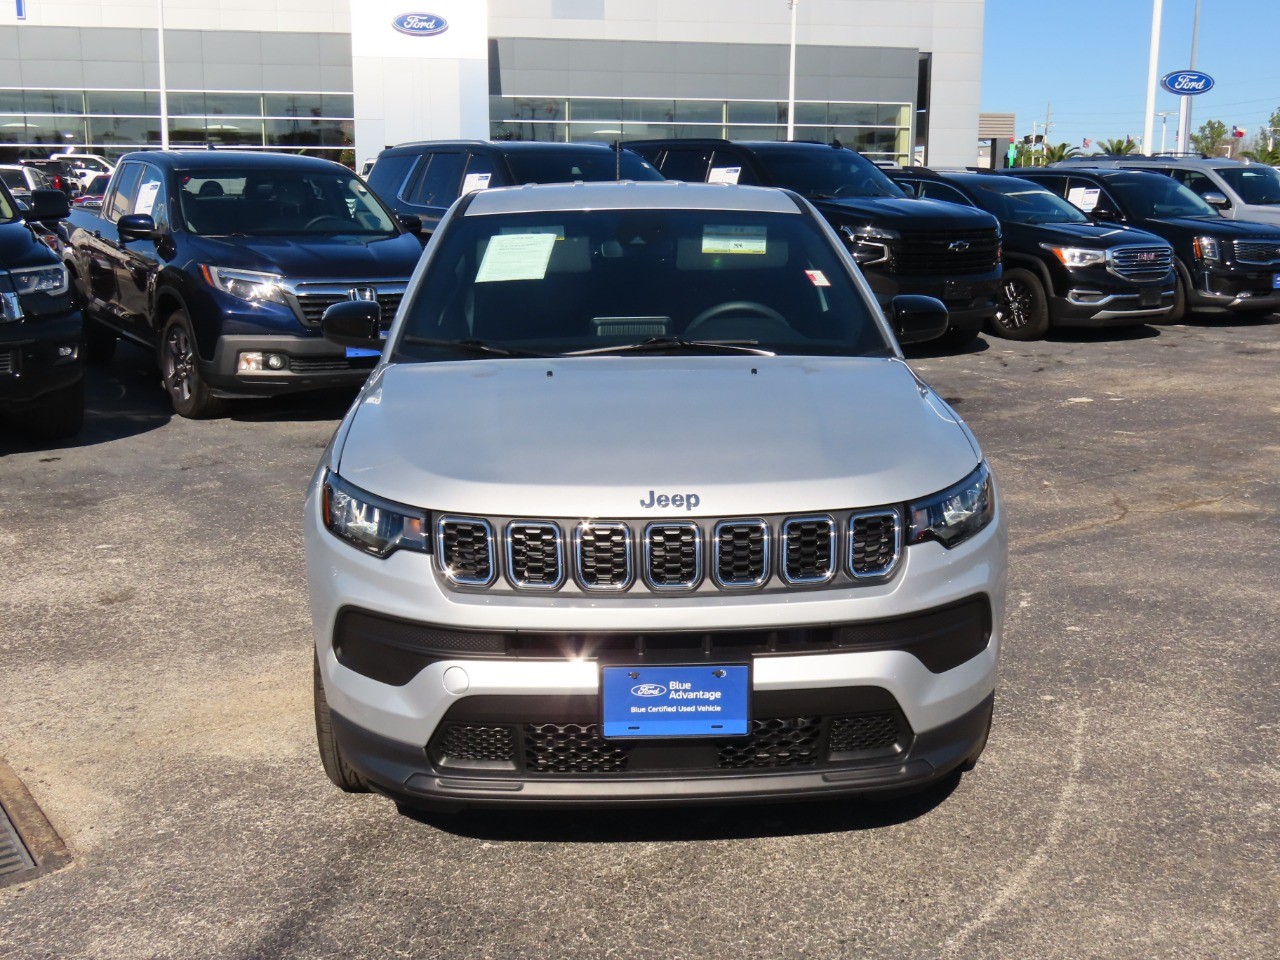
1036	266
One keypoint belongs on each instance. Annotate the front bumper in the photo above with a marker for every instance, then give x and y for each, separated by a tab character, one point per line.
1089	306
38	355
971	299
311	363
1235	290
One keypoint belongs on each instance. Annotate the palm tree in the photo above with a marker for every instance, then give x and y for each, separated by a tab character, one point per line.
1057	152
1268	155
1117	146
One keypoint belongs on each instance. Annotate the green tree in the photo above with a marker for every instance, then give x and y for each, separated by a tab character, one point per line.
1057	152
1211	136
1264	154
1117	146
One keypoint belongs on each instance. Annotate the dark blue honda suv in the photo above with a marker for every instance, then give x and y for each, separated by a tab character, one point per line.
223	263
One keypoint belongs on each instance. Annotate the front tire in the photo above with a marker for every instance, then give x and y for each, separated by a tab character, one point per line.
335	766
180	372
1023	313
59	414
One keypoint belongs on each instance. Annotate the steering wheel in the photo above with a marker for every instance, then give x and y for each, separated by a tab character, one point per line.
324	218
739	308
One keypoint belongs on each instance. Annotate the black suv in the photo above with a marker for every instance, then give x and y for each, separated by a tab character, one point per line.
1060	268
224	262
1223	266
40	327
902	244
423	179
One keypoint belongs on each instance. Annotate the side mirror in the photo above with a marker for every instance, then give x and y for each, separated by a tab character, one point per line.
353	323
135	226
1215	199
909	188
411	223
46	205
916	318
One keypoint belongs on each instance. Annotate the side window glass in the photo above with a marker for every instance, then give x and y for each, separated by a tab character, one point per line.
479	174
943	191
152	197
125	192
728	166
438	181
1197	181
1089	198
388	175
688	165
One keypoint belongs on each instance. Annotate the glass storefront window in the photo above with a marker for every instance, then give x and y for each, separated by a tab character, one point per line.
852	114
54	101
341	105
186	104
123	103
700	111
124	130
583	109
771	132
233	104
600	131
756	112
814	114
55	131
310	133
11	101
307	105
238	131
659	111
893	115
514	130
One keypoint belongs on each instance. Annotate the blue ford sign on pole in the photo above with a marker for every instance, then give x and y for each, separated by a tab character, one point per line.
420	24
1187	83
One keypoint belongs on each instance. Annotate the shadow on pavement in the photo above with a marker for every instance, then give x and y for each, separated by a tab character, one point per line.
1102	334
946	346
692	823
297	407
1230	320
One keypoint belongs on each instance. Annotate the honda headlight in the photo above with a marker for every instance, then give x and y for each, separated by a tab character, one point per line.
370	523
51	279
957	513
1206	248
245	284
1076	256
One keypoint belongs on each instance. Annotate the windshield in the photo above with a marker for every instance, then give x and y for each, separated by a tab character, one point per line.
1153	195
563	166
1255	184
13	179
1022	202
276	201
827	172
562	282
7	209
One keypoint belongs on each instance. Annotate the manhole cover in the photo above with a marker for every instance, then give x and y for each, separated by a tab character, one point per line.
29	846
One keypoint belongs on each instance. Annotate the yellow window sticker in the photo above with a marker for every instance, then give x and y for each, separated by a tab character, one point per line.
516	256
729	239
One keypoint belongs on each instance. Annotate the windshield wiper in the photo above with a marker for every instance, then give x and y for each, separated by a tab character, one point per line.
658	344
477	348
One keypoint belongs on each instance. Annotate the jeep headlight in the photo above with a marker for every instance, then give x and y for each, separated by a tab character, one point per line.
50	279
245	284
957	513
370	523
1076	256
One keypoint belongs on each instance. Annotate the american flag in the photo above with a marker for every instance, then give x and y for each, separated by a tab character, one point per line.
1087	143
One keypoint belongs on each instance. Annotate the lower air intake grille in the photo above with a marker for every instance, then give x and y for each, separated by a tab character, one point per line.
872	731
466	741
875	540
790	742
604	556
6	361
742	553
534	555
808	549
673	555
466	550
331	364
571	748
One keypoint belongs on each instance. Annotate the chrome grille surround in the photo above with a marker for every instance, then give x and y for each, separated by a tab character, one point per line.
672	565
535	565
872	537
734	529
587	554
454	552
821	530
310	299
1137	262
1257	250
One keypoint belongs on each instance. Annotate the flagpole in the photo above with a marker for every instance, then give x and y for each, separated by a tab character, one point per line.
164	90
1152	65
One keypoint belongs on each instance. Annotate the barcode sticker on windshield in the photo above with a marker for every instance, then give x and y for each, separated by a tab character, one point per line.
1086	198
475	181
516	256
728	239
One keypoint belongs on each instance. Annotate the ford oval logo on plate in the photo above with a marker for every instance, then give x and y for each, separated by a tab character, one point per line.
420	24
1187	83
648	690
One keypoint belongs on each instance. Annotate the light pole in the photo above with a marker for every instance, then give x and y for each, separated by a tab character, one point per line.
791	82
1184	109
1164	116
1152	63
164	91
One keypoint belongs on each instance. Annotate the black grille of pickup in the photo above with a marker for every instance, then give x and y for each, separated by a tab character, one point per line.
673	555
466	549
808	549
946	252
741	553
1142	263
875	543
604	556
1257	251
313	305
331	364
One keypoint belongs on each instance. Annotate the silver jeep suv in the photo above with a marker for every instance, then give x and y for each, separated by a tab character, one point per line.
642	504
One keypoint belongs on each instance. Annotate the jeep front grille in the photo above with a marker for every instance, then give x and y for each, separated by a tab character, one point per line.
465	550
535	554
1142	263
741	553
808	549
603	555
875	540
672	555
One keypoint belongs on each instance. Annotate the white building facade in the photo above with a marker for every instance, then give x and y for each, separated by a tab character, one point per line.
343	78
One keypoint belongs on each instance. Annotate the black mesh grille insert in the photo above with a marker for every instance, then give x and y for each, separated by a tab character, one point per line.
604	557
789	742
536	559
331	364
874	544
742	551
1257	251
673	554
466	550
468	741
808	543
872	731
948	252
571	748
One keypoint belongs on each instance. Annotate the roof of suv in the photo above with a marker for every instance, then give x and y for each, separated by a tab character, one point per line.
196	160
501	146
656	195
1135	162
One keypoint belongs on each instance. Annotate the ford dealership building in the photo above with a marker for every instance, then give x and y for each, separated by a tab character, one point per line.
343	78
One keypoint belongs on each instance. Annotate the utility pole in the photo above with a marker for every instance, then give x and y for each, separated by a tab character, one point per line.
791	83
1164	116
1044	144
1152	64
1184	108
164	91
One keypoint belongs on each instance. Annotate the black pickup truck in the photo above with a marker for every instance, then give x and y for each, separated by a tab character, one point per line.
223	262
902	244
40	325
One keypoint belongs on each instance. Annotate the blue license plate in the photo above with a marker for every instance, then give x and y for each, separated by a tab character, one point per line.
703	701
1275	281
363	352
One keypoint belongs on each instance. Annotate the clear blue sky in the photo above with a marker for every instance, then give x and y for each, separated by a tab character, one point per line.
1088	58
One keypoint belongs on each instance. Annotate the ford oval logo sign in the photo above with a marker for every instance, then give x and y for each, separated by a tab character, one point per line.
420	24
648	690
1187	83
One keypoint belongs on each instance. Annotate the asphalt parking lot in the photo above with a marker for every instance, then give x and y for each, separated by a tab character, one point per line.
155	699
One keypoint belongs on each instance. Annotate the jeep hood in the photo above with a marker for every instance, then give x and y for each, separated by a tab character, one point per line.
591	437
